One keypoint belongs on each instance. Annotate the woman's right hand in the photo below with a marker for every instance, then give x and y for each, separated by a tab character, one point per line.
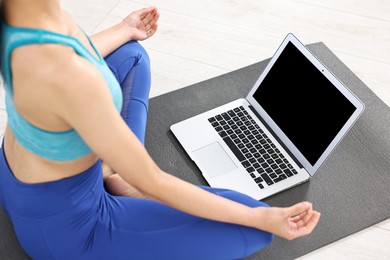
289	223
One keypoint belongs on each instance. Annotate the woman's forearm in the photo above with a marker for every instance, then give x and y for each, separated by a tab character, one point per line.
193	200
112	38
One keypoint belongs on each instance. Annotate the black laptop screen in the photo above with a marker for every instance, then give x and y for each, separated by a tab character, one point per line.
303	103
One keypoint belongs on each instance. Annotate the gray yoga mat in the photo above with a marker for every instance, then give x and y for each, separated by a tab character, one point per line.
351	189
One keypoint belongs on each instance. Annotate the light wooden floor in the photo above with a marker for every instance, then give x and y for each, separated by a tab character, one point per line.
201	39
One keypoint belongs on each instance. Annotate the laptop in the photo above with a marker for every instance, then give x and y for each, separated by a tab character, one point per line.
280	134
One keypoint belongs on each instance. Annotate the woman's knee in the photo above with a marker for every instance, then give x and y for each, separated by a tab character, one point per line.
135	49
126	57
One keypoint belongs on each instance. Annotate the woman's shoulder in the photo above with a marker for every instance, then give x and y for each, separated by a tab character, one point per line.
49	65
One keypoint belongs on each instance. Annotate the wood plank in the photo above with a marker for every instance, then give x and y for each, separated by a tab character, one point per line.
88	14
373	74
385	225
377	9
3	121
371	243
2	94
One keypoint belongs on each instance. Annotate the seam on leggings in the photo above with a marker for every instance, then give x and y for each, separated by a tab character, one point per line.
141	101
135	64
149	232
245	241
45	240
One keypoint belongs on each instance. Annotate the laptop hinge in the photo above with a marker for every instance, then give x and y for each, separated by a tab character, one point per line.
276	137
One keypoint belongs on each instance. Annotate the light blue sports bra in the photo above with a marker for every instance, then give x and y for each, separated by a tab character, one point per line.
57	146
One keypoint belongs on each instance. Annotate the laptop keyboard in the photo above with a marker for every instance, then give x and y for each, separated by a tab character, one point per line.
252	147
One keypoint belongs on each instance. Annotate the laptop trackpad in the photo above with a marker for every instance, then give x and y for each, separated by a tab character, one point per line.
213	160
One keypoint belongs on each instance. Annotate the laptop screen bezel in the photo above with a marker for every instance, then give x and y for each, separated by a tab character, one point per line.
311	169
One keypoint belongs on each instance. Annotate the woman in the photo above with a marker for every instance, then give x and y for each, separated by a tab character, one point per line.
63	103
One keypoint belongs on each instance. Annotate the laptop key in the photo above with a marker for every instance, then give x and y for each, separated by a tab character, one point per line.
231	113
267	179
288	172
219	117
270	161
222	134
257	155
225	116
258	180
249	146
212	119
278	180
234	149
250	169
246	164
248	155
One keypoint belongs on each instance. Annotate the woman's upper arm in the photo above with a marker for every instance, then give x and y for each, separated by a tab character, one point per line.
86	104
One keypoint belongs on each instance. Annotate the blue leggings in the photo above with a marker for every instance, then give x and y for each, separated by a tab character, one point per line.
131	67
75	218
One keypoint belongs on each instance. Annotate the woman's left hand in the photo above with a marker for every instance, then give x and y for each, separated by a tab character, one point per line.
142	24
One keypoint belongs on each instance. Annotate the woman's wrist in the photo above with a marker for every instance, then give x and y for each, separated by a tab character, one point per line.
125	30
256	217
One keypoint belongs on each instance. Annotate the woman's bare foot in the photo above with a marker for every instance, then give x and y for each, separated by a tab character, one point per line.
116	185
